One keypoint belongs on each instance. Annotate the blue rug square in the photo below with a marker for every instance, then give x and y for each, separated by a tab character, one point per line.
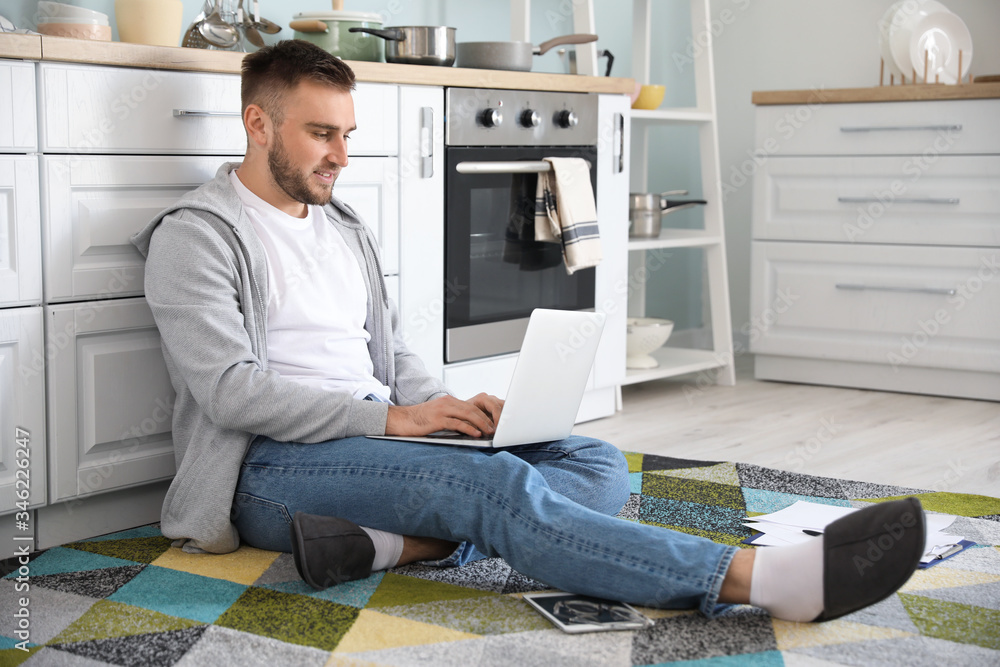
180	594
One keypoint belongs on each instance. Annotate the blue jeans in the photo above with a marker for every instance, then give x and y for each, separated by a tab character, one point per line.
547	509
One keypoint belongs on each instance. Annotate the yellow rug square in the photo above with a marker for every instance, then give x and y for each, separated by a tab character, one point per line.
375	631
243	566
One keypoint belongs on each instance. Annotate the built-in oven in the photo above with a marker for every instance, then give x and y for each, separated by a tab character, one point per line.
495	272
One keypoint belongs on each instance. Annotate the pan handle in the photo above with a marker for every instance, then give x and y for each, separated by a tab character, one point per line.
391	34
308	25
565	39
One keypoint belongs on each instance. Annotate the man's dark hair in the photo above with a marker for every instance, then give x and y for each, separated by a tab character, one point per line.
269	74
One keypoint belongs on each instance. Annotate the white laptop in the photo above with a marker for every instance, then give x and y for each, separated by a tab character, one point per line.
547	386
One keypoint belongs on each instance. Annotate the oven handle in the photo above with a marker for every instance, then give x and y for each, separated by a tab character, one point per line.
525	167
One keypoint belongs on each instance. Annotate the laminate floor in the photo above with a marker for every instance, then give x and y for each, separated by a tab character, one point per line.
924	442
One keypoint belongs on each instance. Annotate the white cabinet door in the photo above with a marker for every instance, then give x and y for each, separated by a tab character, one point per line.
93	109
20	232
613	221
110	400
421	223
370	186
94	204
22	410
897	306
376	113
18	125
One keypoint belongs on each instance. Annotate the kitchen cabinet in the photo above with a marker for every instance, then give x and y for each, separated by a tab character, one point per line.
110	399
20	235
18	133
715	364
22	410
370	185
876	241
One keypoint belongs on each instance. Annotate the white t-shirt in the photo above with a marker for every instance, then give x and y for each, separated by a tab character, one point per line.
317	301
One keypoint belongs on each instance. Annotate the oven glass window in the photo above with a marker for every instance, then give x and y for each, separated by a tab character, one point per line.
495	270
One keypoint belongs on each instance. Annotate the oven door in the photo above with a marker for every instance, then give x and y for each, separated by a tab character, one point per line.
495	272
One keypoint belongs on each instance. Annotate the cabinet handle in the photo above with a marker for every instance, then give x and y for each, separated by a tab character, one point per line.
426	142
618	158
900	200
186	113
903	128
947	291
526	167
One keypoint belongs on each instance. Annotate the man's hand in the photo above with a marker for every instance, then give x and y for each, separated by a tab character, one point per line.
475	417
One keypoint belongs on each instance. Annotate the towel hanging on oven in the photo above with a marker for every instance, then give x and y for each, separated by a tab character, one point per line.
565	212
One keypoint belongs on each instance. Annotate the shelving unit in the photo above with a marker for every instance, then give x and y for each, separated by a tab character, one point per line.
718	360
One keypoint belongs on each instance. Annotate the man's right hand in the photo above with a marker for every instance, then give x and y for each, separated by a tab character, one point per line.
476	417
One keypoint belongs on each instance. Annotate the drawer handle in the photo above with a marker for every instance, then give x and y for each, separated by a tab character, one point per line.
900	200
904	128
426	142
882	288
188	113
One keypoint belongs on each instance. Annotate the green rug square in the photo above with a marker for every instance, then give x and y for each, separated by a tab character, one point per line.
107	618
961	504
296	619
693	491
138	549
397	589
955	622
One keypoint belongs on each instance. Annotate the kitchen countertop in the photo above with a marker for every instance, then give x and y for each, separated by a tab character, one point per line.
62	49
908	93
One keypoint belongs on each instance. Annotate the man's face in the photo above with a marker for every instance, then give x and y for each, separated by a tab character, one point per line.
310	146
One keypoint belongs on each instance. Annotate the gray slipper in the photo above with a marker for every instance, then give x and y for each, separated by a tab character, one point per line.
328	550
869	554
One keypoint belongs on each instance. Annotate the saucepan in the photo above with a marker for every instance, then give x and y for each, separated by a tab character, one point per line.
646	211
515	56
416	45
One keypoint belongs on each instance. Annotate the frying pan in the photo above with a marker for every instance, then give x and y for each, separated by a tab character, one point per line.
515	56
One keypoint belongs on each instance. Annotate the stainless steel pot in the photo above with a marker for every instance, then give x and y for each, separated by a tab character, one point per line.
416	45
646	211
515	56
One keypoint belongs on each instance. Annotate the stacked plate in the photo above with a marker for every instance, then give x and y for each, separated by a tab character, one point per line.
924	38
63	20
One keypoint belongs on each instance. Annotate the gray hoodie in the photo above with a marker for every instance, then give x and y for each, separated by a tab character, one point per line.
206	283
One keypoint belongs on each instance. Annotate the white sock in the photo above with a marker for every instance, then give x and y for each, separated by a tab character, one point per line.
788	581
388	548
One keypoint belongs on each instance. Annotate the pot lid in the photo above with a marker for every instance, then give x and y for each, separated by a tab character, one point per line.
358	17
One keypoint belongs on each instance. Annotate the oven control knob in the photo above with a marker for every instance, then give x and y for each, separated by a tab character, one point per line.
530	118
566	118
491	117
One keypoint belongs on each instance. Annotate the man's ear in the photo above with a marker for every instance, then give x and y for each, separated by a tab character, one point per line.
258	125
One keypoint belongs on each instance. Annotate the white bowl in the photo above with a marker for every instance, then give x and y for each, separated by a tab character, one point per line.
72	20
643	336
61	10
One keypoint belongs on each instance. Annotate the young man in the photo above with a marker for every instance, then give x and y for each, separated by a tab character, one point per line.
285	353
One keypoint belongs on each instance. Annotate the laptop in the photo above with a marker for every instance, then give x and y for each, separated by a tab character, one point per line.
550	377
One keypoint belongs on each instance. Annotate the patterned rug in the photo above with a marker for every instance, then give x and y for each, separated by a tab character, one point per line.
131	599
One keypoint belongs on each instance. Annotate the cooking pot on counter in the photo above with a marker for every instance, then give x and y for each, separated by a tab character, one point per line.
646	211
331	31
416	45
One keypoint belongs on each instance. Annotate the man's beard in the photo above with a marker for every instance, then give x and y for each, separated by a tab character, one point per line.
294	184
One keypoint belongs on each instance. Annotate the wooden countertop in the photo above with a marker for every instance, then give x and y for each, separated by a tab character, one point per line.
908	93
61	49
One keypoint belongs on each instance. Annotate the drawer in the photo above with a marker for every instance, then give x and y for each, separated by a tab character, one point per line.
370	185
92	109
18	125
22	408
93	204
879	304
887	128
20	232
109	396
945	200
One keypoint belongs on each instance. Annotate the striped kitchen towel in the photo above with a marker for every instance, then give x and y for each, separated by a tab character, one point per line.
565	212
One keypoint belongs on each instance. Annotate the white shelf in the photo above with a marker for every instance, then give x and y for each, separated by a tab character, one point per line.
693	116
676	238
676	361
